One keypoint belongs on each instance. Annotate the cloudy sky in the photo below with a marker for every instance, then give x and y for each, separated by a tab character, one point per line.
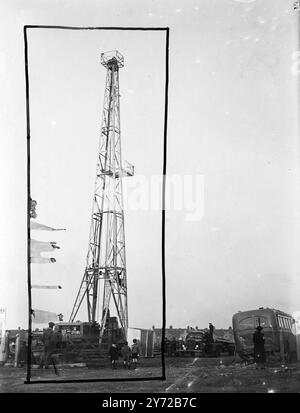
232	135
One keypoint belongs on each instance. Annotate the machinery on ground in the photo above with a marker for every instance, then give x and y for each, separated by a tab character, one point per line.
200	343
79	341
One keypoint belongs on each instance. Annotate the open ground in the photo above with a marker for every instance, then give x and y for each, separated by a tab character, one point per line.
187	375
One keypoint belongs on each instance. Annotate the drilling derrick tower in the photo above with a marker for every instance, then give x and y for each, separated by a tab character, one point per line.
104	283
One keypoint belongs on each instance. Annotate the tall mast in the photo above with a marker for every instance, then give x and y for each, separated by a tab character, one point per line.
104	283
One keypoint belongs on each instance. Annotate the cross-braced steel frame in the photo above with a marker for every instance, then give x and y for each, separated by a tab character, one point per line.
104	283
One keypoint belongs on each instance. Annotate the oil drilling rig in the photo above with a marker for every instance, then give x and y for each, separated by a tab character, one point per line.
104	284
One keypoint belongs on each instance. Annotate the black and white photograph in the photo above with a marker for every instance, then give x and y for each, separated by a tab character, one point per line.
150	198
97	180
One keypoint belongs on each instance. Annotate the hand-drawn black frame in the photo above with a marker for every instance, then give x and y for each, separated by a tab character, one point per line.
163	376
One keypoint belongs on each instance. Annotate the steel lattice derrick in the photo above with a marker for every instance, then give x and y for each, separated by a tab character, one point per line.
105	281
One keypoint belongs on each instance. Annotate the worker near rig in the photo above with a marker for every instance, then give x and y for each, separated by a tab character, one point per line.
50	341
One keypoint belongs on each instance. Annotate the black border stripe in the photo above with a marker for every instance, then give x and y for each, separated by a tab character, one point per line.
163	377
163	206
97	380
95	28
28	205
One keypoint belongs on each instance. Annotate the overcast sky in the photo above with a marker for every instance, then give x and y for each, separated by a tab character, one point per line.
232	122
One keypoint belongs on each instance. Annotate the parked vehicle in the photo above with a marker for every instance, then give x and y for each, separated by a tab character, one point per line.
279	330
201	343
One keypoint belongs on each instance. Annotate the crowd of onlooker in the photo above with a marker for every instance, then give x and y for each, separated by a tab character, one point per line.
128	354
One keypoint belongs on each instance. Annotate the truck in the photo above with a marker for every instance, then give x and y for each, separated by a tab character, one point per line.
78	342
201	343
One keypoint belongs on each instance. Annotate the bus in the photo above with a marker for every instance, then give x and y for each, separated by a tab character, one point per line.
279	329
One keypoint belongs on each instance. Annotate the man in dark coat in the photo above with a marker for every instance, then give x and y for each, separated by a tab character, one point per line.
135	352
259	347
211	331
50	340
114	355
126	354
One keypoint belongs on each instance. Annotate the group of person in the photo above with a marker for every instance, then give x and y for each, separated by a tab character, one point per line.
51	339
130	355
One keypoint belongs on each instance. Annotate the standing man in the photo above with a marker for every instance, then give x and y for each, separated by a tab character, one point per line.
134	352
259	347
208	340
50	340
211	331
126	354
114	355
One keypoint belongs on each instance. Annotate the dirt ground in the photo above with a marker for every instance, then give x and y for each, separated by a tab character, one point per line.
184	375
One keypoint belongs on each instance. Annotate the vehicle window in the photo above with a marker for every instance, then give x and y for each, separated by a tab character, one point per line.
284	322
262	321
247	323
